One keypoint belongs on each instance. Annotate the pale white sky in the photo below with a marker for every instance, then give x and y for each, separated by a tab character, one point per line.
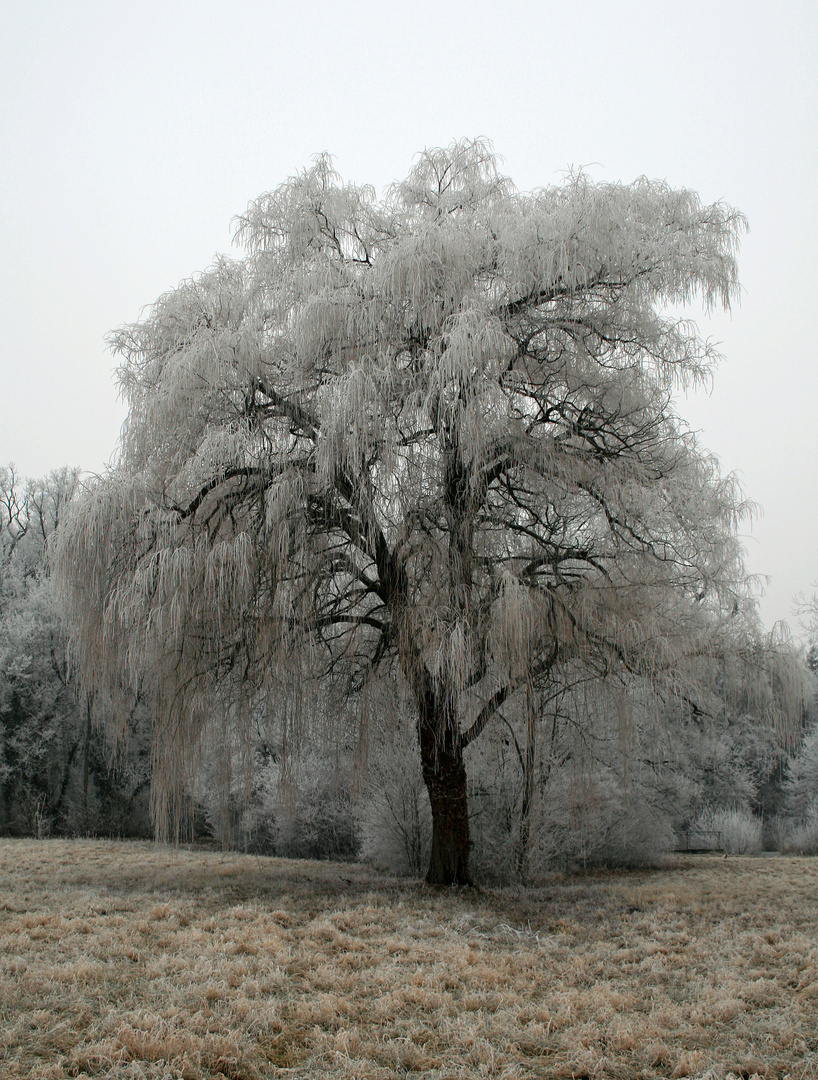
132	132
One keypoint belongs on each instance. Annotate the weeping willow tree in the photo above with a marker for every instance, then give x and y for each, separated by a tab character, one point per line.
428	439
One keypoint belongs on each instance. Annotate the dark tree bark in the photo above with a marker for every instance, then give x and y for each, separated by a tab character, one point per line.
528	783
444	773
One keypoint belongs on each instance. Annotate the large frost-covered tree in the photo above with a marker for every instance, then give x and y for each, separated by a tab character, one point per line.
427	438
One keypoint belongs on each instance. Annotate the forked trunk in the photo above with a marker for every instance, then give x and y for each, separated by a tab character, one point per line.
444	774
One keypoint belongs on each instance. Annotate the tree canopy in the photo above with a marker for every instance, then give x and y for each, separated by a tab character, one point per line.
428	438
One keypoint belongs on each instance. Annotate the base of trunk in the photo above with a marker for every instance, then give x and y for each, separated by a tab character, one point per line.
447	866
445	779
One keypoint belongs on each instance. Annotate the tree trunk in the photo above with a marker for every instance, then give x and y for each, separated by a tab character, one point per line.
86	763
528	784
444	774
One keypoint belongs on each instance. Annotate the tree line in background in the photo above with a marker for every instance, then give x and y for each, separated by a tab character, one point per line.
57	775
555	785
407	549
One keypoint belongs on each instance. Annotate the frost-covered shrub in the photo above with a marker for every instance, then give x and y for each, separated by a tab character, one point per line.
596	821
801	834
220	787
259	822
735	831
775	830
314	816
394	816
495	810
583	810
272	795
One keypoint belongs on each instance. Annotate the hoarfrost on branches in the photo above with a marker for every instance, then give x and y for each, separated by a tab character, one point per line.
427	439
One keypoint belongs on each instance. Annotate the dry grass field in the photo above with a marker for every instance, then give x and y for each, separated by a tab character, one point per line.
133	960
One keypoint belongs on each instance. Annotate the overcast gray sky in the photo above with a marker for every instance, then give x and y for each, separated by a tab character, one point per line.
131	133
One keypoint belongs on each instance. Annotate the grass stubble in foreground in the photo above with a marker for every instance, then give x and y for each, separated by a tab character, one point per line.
134	960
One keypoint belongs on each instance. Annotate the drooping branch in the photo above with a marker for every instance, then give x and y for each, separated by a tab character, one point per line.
293	410
189	509
504	692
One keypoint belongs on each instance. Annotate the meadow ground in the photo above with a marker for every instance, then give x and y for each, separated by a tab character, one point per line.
134	960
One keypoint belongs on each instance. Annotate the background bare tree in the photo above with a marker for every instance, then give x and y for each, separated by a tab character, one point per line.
428	439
